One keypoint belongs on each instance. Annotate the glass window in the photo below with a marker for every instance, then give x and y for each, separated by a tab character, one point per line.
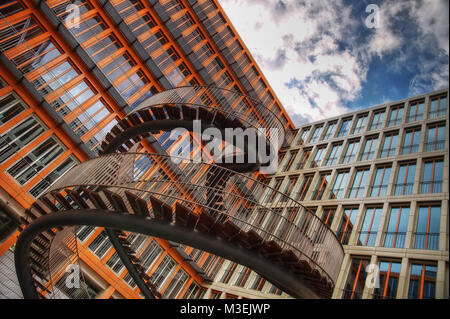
415	112
228	272
359	183
361	122
163	272
10	8
369	229
84	232
304	188
334	155
346	225
87	29
304	158
194	292
350	153
316	133
288	162
389	145
318	157
321	186
397	227
30	165
422	281
55	78
411	141
405	179
438	107
289	187
24	30
436	137
302	136
331	128
19	136
381	181
389	277
344	127
103	48
241	280
432	176
396	115
258	284
10	107
175	285
370	147
50	178
275	191
115	263
356	279
427	230
377	120
100	244
340	185
328	215
36	56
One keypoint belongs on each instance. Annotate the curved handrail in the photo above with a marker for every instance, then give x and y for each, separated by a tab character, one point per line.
194	93
96	172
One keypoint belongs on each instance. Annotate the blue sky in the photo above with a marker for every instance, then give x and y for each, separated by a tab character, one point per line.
322	60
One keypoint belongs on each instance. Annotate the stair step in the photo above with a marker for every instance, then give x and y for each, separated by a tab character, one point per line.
184	216
116	201
158	113
205	222
162	211
229	230
47	202
96	199
138	205
75	196
62	200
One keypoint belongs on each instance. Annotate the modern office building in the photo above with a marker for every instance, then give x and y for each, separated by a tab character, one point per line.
378	177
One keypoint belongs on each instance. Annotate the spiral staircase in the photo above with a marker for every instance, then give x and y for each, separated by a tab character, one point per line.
215	207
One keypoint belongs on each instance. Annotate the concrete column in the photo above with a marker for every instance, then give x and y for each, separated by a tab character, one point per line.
403	280
370	180
368	292
443	227
409	238
440	279
340	282
337	218
418	176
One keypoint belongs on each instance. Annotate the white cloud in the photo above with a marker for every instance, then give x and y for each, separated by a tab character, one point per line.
313	46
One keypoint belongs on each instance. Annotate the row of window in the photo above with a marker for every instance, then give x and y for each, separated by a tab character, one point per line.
361	182
435	140
422	279
426	229
56	78
242	279
166	278
437	108
27	131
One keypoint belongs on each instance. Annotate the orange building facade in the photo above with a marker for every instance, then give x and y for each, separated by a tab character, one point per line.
66	80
